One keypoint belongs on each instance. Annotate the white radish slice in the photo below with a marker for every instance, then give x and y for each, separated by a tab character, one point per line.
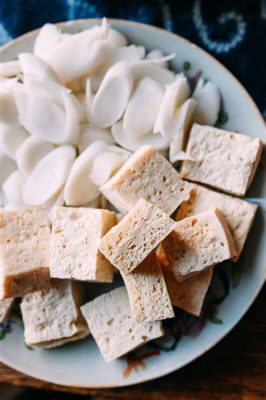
89	98
198	87
7	166
8	108
173	98
10	68
143	108
79	189
48	38
208	104
11	137
118	150
22	102
10	84
104	166
32	150
56	201
132	143
73	117
80	107
35	66
13	188
116	38
49	175
90	134
150	68
47	88
154	55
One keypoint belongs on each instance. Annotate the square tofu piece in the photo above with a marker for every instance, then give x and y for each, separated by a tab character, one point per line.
128	243
24	252
225	160
239	214
52	317
76	234
146	175
147	291
113	327
198	242
5	306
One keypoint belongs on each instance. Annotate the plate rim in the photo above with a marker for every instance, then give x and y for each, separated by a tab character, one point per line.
150	27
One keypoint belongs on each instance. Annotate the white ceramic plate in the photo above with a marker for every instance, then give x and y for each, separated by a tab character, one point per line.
80	364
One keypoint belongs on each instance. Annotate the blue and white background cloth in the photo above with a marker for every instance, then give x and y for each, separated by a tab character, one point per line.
234	31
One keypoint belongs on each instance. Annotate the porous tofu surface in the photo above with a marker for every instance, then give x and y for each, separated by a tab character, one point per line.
52	317
76	234
224	160
146	175
147	291
128	243
112	325
24	251
239	214
198	242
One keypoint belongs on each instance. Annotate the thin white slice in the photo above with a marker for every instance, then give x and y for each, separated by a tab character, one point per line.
11	137
105	165
47	88
49	175
10	68
47	39
175	95
90	134
143	108
155	55
32	150
7	166
79	188
37	67
132	143
208	104
8	108
13	188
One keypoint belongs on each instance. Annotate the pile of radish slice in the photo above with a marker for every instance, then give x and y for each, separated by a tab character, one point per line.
73	110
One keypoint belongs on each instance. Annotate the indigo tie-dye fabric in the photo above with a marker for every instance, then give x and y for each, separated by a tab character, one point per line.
234	31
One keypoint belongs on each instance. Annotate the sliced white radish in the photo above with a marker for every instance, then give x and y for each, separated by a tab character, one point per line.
10	68
49	175
79	103
143	107
155	55
13	188
173	98
47	39
90	134
198	87
22	102
47	88
133	143
11	137
37	67
32	150
208	104
7	166
73	116
79	188
116	38
8	108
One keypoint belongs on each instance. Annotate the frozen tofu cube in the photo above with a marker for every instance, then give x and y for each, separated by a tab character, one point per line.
128	243
76	234
52	317
224	160
146	175
5	307
239	214
113	327
198	242
147	291
24	252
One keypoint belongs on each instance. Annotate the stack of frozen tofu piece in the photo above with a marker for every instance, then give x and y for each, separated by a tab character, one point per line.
166	236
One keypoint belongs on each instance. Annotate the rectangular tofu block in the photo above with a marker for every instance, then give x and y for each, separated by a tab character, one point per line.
239	214
224	160
76	234
146	175
113	327
24	252
147	291
198	242
128	243
5	306
52	317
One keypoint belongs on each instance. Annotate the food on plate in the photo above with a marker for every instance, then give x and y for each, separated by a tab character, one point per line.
239	214
52	316
75	237
148	295
113	327
24	252
146	175
128	243
224	160
5	307
198	242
